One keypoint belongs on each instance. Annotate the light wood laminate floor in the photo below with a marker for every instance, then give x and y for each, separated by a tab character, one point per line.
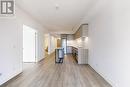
48	74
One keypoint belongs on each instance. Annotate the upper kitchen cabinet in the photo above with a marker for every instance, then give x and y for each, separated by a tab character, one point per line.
82	31
70	37
78	33
63	36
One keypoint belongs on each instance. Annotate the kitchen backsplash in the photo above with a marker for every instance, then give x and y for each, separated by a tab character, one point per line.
80	42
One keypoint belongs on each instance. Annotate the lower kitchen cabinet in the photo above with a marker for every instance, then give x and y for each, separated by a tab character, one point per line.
80	54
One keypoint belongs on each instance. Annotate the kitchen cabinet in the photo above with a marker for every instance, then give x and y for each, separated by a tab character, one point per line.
82	31
70	37
78	33
80	54
75	53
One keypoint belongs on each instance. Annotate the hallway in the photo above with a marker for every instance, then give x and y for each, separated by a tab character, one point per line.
48	74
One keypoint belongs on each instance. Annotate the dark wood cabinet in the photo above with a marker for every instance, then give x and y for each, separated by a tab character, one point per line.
75	53
81	55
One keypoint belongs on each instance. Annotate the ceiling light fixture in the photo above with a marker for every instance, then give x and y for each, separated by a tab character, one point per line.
56	6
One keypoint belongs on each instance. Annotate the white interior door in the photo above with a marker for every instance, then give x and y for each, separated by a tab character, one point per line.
29	44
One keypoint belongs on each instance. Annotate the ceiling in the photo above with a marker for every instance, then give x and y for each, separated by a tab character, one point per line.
58	16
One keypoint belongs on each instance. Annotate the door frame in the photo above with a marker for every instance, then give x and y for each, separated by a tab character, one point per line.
36	44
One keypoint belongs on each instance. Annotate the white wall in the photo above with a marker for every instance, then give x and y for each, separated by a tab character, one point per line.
25	18
11	43
10	48
109	42
46	40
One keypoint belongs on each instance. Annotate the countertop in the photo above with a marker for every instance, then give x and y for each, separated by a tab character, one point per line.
78	47
59	48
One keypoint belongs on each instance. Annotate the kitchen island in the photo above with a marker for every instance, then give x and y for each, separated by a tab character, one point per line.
79	53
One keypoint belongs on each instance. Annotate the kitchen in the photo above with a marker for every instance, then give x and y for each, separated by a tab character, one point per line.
77	44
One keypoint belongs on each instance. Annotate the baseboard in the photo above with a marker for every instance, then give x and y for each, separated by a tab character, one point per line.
41	59
101	75
10	79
